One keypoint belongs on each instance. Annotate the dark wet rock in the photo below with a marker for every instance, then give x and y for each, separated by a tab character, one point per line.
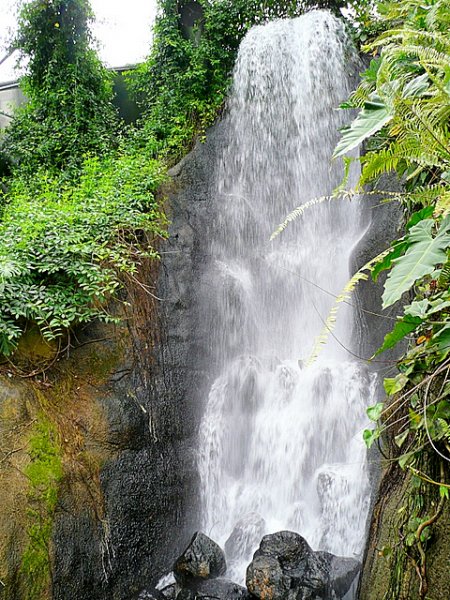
343	573
170	592
186	594
150	595
286	568
202	559
245	536
265	578
221	589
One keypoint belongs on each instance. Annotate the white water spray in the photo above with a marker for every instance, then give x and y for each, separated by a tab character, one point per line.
280	443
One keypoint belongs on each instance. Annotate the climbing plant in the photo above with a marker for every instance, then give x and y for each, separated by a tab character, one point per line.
79	212
69	111
183	85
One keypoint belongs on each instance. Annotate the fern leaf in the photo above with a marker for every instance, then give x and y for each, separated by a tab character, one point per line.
297	212
330	323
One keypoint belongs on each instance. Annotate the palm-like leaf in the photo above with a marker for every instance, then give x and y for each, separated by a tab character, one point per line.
424	253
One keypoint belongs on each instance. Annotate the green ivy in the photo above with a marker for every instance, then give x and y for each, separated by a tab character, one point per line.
63	246
183	85
69	111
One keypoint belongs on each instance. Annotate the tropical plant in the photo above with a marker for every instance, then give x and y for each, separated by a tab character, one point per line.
404	116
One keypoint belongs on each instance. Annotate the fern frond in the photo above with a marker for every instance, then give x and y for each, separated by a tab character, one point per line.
297	212
376	163
412	36
437	17
427	56
433	128
443	205
344	296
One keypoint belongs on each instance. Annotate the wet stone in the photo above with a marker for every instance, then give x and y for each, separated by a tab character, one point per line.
221	589
286	568
202	559
150	595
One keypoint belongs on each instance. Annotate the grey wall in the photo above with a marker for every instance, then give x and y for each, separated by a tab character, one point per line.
11	96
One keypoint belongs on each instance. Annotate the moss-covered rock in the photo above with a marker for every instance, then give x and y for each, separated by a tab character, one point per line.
393	569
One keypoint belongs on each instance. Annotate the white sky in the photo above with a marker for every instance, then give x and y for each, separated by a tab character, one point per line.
122	28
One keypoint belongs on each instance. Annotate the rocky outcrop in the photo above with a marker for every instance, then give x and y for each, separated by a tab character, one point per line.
286	568
283	568
203	559
215	589
123	412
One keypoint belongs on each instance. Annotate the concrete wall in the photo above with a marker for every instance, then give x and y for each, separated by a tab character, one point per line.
10	97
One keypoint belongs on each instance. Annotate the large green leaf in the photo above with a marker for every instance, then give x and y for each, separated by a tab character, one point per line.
371	119
401	329
398	248
422	256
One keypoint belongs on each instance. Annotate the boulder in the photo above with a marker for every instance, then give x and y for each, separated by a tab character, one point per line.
170	591
245	536
286	568
220	589
265	578
343	572
203	559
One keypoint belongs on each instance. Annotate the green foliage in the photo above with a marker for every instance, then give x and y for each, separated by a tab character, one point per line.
69	111
183	85
44	473
424	252
410	80
370	120
402	328
63	246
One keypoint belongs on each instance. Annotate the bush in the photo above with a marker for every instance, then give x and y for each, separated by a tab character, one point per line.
69	111
64	246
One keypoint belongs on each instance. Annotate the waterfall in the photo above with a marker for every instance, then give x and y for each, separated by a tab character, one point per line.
281	442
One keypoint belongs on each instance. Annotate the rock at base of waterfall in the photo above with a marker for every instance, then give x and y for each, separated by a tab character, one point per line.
265	578
343	572
215	589
202	559
245	536
170	592
286	568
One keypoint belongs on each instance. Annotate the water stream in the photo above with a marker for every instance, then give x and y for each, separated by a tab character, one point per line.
280	442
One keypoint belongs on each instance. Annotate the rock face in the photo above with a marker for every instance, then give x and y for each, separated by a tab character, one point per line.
123	406
381	569
286	568
203	559
385	224
151	595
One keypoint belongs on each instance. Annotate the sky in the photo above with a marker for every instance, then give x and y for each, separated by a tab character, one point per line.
122	28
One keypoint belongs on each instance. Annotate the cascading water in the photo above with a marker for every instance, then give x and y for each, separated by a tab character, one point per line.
280	442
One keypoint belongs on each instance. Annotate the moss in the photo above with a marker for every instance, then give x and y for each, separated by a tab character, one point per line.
33	348
393	560
44	473
55	438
